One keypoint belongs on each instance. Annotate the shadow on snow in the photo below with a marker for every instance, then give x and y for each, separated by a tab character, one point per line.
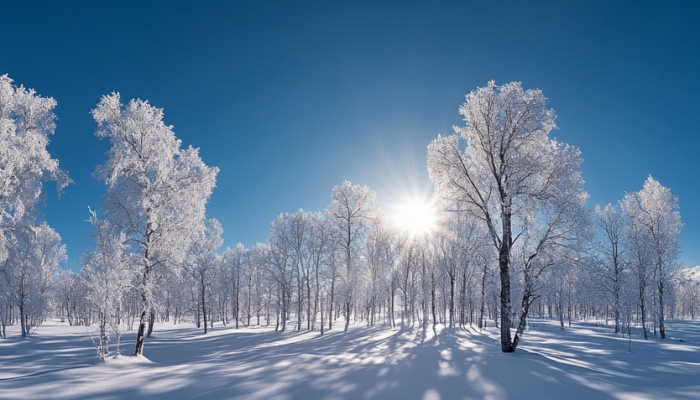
583	362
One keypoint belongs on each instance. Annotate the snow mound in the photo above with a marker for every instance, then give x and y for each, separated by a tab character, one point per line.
130	360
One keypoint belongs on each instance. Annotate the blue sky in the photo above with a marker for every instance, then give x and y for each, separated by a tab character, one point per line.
289	99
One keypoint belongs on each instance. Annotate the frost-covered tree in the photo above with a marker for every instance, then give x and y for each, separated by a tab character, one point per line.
156	191
260	290
379	266
655	220
518	182
641	257
460	243
352	211
318	248
108	274
281	265
298	231
234	261
688	292
203	260
34	254
67	295
26	122
612	263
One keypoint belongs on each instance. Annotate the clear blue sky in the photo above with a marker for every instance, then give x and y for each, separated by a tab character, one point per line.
289	99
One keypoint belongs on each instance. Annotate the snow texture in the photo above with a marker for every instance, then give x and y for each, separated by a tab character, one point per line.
584	362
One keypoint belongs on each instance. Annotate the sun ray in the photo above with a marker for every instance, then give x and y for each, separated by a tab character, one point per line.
416	217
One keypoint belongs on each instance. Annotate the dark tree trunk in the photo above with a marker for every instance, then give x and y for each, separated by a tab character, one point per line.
140	335
507	345
151	322
348	304
662	326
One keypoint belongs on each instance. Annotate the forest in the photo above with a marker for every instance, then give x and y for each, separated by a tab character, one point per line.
507	237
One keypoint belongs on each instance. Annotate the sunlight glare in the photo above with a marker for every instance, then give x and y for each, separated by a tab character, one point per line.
418	218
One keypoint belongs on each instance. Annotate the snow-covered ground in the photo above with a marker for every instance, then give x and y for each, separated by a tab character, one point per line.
583	362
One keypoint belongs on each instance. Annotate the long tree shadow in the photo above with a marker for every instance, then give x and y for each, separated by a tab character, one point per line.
380	363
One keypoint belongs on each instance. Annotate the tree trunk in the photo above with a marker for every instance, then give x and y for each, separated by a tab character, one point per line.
22	319
348	304
642	310
525	309
300	303
434	304
238	289
202	296
504	264
321	307
506	241
483	298
330	303
452	298
151	322
140	335
662	326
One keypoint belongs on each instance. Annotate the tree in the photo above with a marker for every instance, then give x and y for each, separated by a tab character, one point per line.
233	262
352	210
108	276
513	178
35	252
641	259
655	218
281	265
26	121
379	266
156	191
203	259
610	269
318	249
459	242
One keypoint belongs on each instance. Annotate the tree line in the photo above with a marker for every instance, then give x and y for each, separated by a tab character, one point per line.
513	238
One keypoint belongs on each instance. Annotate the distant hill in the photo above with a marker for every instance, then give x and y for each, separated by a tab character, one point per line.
691	273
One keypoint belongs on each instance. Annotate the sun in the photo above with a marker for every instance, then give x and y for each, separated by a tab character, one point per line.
416	217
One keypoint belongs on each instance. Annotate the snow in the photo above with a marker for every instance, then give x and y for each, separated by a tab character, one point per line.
582	362
692	273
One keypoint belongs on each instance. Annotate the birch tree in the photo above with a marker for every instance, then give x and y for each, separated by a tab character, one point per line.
352	210
281	265
26	122
203	259
34	255
108	274
654	215
233	261
512	177
156	191
612	266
